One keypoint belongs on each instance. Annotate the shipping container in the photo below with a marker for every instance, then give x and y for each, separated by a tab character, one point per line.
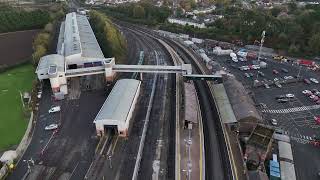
305	62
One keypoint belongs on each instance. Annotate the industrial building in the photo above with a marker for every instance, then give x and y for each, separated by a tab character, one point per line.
117	110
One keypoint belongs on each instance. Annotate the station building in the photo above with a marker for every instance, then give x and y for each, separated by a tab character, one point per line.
78	54
118	108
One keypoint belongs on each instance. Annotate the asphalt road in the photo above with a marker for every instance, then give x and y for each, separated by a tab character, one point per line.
299	125
67	149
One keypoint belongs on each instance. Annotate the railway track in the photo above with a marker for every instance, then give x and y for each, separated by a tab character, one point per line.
217	164
163	82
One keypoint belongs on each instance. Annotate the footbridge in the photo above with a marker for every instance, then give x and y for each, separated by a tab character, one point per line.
183	69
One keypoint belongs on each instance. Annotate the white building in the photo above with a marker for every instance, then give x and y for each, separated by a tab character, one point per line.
118	108
186	22
78	53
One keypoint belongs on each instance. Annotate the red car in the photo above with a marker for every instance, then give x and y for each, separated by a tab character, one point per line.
317	119
306	81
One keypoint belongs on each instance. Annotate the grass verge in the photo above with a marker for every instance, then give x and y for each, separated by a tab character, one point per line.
12	121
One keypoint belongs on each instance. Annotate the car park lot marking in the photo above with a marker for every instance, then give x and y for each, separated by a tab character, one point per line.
290	110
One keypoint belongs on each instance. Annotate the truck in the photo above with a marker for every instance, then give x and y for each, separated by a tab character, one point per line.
252	55
305	62
233	57
220	52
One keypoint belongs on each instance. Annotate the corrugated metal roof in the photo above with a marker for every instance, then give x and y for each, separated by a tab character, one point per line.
79	37
223	103
287	171
119	102
285	150
53	59
61	39
242	104
191	103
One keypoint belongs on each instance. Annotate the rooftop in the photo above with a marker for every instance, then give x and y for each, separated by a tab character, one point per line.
119	102
51	60
79	37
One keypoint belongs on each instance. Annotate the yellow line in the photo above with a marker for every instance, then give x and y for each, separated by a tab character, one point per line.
232	159
115	144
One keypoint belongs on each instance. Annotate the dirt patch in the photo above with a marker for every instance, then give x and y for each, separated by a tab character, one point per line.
16	47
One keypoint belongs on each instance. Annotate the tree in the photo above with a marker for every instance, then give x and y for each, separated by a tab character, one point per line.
138	11
314	43
38	53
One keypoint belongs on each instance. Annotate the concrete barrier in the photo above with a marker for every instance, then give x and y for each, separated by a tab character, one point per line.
25	139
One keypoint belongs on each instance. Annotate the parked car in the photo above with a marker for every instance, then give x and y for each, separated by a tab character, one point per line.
274	122
51	127
317	119
255	67
261	73
290	95
314	80
312	96
284	70
275	71
306	81
278	84
318	102
54	109
244	68
234	66
288	77
39	94
316	98
246	75
307	92
275	79
314	91
284	100
280	97
267	86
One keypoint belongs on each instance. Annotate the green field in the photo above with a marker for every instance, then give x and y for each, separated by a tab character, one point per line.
12	122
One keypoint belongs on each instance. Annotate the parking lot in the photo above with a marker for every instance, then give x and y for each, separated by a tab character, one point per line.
296	116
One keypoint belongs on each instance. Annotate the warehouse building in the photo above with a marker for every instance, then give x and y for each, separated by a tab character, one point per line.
118	108
78	54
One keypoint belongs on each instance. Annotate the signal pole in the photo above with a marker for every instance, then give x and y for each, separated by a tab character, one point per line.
263	35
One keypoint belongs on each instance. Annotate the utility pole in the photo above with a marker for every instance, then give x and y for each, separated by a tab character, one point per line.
263	35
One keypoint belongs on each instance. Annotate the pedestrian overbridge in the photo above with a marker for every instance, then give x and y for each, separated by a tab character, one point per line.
217	79
85	71
184	69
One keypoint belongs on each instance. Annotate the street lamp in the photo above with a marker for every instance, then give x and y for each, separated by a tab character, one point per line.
28	164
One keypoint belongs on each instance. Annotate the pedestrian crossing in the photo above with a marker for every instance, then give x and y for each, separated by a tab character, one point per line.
290	110
301	138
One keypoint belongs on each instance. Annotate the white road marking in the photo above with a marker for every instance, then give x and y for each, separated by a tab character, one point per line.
290	110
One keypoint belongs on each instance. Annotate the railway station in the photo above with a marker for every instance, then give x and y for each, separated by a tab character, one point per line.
118	108
79	54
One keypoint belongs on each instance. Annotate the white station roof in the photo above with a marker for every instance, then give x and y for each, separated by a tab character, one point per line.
285	150
79	37
53	59
119	102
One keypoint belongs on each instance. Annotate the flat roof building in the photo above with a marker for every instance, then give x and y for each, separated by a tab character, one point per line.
118	107
78	43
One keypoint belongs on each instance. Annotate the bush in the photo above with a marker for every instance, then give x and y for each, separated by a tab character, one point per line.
110	39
